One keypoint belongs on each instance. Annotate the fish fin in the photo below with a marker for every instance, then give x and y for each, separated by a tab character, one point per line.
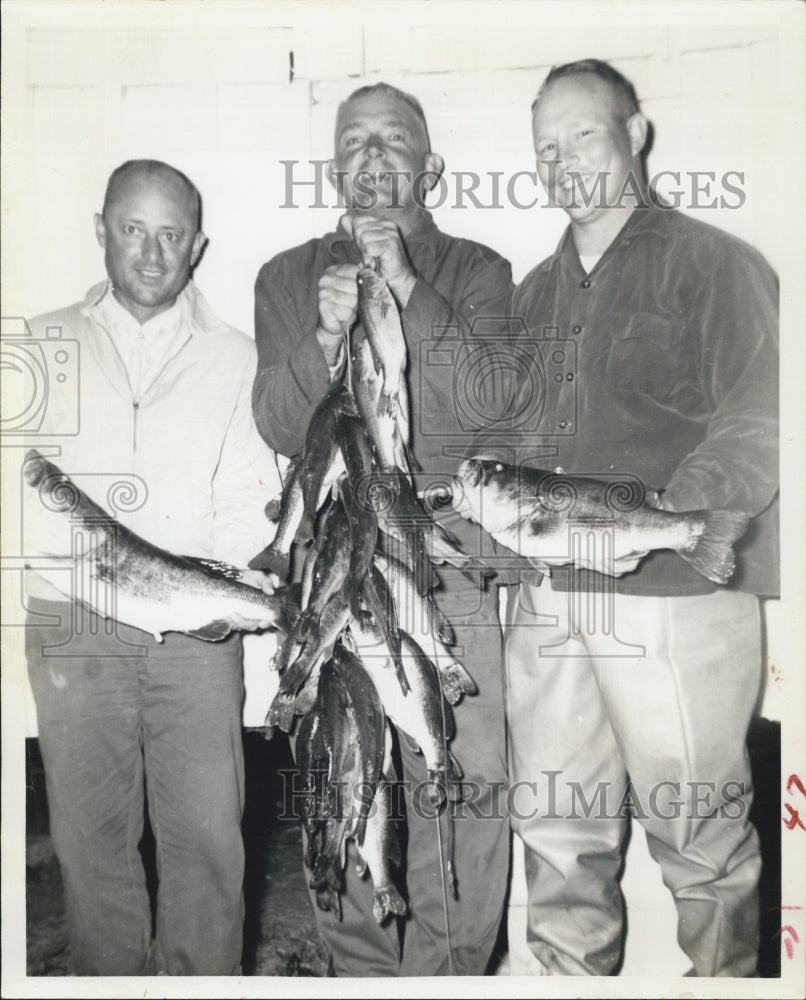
212	632
272	510
395	854
306	629
289	611
420	563
214	567
361	867
444	629
455	772
272	561
306	697
412	744
711	554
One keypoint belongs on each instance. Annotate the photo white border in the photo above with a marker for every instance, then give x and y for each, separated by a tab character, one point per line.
787	213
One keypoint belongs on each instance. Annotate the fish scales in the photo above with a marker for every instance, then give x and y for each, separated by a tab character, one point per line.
381	320
532	511
150	588
422	715
276	557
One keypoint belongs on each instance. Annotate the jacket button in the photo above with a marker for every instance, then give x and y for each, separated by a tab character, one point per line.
586	283
570	376
563	424
577	329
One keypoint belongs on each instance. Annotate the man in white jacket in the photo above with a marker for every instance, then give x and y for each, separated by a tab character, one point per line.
165	408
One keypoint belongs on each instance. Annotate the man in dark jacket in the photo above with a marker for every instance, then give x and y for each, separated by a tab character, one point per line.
303	299
669	328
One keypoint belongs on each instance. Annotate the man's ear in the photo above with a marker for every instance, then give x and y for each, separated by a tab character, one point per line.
433	165
199	242
637	128
100	229
333	174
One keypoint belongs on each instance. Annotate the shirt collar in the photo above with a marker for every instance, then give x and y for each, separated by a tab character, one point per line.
424	234
197	315
166	323
641	220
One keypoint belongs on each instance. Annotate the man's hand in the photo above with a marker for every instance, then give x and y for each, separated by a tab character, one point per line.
267	582
380	238
338	308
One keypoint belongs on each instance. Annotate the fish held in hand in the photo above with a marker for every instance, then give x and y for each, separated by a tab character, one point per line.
126	578
387	431
322	452
531	511
381	321
276	557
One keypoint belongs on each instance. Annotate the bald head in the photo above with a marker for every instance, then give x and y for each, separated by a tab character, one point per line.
134	173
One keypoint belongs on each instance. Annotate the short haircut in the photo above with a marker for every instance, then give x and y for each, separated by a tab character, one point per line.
389	91
151	169
619	84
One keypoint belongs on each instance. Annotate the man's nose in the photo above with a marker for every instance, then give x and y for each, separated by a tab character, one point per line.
375	146
152	249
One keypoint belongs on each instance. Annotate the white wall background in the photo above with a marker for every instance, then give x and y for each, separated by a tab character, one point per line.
207	88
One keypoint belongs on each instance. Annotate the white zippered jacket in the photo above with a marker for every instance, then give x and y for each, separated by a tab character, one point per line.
184	467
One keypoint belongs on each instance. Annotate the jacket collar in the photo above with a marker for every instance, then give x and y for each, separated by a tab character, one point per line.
200	317
642	220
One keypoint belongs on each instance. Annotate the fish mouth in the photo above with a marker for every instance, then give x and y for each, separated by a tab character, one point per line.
34	467
471	472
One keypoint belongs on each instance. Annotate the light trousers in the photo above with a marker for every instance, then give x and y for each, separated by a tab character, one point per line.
117	722
614	700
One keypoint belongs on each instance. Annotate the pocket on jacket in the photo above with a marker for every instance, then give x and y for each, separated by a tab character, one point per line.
645	355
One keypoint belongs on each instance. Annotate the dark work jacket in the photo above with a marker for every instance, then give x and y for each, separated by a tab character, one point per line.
461	292
660	364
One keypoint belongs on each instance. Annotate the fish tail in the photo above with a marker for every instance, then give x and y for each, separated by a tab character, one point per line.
281	712
456	682
400	672
386	901
711	550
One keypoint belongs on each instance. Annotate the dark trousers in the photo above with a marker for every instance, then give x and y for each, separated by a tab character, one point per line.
358	946
121	716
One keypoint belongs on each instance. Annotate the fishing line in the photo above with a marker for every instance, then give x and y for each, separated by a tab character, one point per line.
451	971
447	877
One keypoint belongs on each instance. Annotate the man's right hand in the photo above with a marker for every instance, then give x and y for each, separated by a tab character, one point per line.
338	298
338	308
